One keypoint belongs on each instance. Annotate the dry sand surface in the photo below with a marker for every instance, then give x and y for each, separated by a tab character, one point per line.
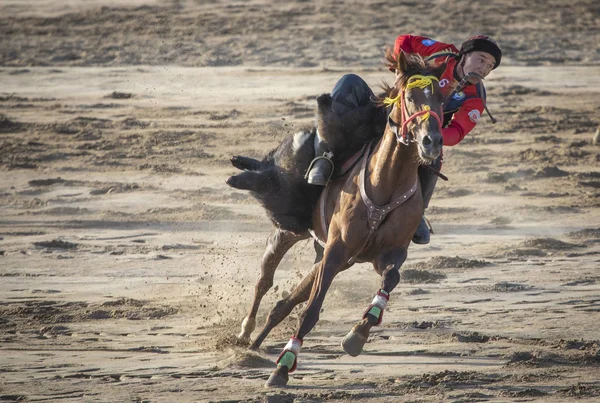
127	264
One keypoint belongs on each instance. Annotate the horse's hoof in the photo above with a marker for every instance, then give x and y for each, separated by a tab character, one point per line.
279	377
243	340
353	343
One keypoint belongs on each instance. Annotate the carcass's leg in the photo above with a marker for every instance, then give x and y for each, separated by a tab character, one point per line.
258	182
278	243
245	163
335	259
388	264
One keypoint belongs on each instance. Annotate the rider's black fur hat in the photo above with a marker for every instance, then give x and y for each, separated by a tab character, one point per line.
482	43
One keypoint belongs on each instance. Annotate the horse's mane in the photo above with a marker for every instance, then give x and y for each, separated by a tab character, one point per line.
415	65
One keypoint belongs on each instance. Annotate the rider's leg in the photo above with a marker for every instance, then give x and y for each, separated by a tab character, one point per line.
428	179
350	92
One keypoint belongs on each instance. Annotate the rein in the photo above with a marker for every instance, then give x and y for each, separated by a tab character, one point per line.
435	171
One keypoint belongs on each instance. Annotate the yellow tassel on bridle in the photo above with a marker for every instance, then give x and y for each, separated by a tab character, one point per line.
391	101
416	81
421	82
425	116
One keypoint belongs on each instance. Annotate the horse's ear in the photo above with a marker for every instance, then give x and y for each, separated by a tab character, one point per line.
401	63
439	70
397	63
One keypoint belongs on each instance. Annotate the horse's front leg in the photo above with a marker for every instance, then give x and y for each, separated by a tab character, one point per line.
278	243
388	265
335	259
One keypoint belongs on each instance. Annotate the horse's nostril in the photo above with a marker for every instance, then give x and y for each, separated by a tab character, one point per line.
426	140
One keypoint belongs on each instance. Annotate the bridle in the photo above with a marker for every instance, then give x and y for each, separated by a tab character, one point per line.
404	136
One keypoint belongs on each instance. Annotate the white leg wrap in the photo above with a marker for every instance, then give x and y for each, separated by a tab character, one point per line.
380	302
293	345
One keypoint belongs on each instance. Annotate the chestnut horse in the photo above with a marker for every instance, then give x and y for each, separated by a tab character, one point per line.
368	215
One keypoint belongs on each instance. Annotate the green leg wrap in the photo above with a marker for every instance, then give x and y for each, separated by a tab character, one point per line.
287	360
374	311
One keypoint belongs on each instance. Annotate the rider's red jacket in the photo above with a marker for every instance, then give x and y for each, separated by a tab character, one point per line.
462	112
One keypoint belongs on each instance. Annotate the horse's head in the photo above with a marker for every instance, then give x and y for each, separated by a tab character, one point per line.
417	101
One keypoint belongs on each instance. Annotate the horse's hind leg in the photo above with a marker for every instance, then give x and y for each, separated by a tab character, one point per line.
246	163
283	307
278	243
388	265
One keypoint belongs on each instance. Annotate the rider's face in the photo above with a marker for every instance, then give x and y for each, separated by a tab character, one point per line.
478	62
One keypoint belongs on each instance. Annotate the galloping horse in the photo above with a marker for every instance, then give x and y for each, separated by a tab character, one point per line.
368	215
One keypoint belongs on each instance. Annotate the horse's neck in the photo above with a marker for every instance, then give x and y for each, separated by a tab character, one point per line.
392	168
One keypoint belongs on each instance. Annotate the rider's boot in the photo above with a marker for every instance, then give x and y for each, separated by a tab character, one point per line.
423	233
321	168
428	179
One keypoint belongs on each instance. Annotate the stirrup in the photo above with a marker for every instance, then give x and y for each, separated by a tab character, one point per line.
428	223
327	156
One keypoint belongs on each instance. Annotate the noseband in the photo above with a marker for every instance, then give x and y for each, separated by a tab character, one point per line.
404	136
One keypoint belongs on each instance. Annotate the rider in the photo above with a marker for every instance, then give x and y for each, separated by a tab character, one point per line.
462	110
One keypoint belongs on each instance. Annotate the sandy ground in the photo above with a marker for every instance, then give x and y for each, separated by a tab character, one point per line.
127	264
